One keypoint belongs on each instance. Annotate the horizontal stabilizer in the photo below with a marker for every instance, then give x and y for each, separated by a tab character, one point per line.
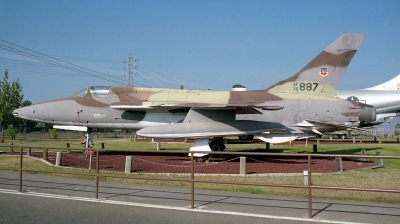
380	118
317	132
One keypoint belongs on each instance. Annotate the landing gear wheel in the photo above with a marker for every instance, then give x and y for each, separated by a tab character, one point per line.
217	146
246	137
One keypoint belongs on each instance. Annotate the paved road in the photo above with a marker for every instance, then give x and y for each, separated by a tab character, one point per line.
28	209
47	199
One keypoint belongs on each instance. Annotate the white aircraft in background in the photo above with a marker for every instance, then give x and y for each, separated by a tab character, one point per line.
384	97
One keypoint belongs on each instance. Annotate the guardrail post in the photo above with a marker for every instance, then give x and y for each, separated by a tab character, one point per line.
267	145
102	145
128	164
58	158
11	147
28	152
354	140
363	154
45	154
20	168
339	164
243	165
314	148
158	145
69	150
317	141
192	180
305	174
90	159
379	160
309	188
97	174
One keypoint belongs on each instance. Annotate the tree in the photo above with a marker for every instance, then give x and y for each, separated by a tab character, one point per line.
11	132
26	103
10	99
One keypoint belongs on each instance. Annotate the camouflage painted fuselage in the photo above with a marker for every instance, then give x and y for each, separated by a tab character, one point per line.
137	108
303	103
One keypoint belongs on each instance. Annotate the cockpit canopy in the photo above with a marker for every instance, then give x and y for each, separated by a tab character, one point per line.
97	90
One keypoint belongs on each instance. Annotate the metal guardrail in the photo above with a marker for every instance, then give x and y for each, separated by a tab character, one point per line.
192	179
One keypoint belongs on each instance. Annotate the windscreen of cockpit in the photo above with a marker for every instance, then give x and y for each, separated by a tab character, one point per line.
98	90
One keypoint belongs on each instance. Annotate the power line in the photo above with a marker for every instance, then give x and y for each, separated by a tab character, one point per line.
38	72
51	60
34	63
58	62
166	80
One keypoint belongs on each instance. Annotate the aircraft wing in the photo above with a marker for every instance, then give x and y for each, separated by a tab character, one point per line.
212	122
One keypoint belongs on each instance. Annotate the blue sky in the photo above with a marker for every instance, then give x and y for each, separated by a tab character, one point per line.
200	44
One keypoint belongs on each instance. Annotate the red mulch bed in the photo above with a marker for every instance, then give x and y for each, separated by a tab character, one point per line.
180	163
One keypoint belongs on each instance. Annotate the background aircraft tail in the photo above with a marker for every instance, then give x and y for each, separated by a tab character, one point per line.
320	76
393	84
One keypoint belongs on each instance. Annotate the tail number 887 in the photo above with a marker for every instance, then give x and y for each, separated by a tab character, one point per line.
308	86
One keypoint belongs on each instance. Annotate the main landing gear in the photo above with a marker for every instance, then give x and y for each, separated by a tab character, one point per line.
204	144
87	142
217	144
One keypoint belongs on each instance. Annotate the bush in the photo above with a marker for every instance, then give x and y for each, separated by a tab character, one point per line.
11	132
53	133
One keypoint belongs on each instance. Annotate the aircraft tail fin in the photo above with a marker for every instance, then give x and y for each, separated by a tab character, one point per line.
320	76
393	84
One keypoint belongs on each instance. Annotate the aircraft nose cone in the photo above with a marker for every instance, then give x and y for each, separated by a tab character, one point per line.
14	113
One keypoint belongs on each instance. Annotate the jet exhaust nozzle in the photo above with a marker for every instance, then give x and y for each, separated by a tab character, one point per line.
367	114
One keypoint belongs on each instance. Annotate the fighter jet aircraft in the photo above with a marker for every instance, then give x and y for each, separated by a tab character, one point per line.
384	97
293	108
